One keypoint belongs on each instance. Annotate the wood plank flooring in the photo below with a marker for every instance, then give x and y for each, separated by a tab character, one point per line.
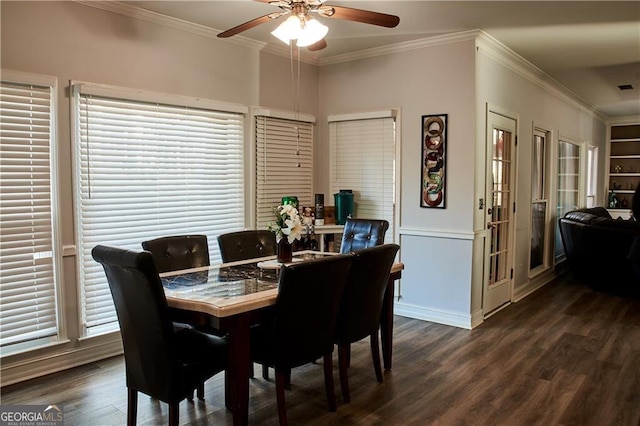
566	355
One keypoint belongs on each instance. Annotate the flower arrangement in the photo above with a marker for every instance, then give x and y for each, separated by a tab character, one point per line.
288	223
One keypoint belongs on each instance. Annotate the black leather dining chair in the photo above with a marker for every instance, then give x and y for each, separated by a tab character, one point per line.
362	233
247	244
361	305
301	324
159	361
177	252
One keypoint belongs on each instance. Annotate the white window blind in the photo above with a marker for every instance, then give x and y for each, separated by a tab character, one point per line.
147	170
284	165
363	160
28	309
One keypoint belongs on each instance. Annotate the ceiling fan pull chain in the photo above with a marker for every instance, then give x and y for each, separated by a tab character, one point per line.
295	89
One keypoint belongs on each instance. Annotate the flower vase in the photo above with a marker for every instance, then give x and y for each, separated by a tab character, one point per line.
285	254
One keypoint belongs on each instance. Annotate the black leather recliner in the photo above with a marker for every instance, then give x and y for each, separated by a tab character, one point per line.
597	249
161	362
359	234
249	244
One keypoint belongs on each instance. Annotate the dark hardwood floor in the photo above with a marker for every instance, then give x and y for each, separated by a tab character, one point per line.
566	355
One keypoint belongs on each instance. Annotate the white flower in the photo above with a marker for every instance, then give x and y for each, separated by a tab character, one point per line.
293	231
288	223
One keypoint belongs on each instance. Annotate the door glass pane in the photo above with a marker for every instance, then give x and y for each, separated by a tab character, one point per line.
501	168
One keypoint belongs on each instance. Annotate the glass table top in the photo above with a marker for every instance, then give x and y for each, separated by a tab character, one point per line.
228	280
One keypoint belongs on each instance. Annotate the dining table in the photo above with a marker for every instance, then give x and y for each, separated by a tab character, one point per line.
230	297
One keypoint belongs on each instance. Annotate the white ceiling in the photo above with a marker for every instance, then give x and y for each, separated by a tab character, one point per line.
590	47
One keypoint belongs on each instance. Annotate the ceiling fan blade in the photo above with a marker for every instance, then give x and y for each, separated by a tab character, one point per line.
319	45
359	15
249	24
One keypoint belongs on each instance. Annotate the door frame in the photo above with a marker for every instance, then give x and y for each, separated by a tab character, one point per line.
511	241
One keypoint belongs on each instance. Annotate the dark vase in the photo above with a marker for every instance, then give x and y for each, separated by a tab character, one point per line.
285	254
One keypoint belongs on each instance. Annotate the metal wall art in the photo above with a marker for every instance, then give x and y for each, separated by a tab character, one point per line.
434	151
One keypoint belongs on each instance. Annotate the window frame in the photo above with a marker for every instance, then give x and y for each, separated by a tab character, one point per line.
592	176
60	337
539	132
261	218
363	118
559	253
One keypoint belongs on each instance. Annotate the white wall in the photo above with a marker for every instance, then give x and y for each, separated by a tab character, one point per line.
435	243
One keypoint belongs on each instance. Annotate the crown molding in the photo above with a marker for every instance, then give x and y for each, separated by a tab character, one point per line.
506	57
401	47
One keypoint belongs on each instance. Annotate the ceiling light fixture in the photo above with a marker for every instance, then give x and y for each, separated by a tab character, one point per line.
306	31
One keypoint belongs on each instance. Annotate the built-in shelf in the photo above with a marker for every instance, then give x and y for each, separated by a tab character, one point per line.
624	167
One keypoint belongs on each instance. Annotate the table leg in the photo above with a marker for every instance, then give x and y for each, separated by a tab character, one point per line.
386	325
237	368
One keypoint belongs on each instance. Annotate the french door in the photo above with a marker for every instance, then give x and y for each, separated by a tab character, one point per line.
498	278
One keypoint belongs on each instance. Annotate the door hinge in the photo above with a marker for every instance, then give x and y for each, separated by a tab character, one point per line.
511	273
516	140
514	207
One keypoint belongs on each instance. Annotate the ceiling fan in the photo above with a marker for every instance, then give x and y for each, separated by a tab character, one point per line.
300	26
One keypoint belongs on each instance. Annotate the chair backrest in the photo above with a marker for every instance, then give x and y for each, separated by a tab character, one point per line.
363	296
248	244
306	309
359	234
178	252
144	319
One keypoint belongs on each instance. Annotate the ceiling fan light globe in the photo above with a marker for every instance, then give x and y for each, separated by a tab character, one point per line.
312	33
289	30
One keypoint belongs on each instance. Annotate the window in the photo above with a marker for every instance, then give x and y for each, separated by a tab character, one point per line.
568	185
284	164
362	157
28	292
539	202
149	166
592	175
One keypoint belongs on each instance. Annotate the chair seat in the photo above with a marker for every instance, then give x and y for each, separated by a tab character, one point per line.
198	355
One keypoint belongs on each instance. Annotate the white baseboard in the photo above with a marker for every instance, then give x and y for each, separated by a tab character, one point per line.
454	319
19	371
